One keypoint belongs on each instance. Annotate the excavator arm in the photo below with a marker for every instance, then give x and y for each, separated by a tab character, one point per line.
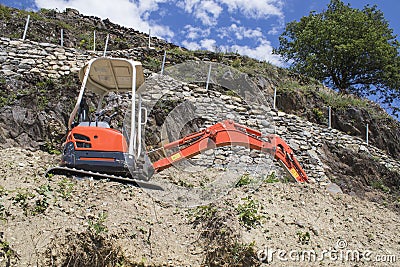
228	133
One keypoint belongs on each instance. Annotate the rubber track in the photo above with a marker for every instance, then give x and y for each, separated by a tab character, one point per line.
96	175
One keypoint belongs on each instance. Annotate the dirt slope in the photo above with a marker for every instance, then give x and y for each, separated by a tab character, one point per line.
50	221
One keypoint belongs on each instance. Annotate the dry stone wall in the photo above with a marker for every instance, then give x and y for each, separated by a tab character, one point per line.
19	57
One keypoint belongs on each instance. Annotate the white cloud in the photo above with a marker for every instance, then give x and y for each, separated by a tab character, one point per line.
123	12
208	44
255	8
204	44
251	8
262	52
240	32
192	32
276	28
207	11
187	5
191	45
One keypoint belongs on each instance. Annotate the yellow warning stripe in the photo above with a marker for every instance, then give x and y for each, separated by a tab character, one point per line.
176	156
294	173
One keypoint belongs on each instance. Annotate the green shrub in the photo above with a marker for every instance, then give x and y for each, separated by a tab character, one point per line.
245	179
303	237
271	178
248	212
65	188
97	226
319	114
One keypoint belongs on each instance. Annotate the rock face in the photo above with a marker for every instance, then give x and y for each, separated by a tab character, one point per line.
383	130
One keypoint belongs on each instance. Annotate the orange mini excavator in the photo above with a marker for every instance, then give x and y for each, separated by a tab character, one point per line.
93	148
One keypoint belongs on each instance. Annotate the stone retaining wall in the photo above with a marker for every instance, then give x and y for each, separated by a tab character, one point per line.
19	57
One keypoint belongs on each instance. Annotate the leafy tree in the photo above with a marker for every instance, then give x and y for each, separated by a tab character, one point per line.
352	50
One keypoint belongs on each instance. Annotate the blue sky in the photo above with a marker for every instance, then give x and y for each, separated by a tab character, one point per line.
250	27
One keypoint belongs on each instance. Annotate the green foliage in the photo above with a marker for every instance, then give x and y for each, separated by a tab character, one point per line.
46	11
42	102
97	226
271	178
43	88
184	183
5	12
3	212
352	50
223	246
153	64
245	179
64	25
248	212
6	98
177	51
205	212
21	199
338	101
7	254
241	252
3	191
50	148
86	40
236	63
44	190
330	98
231	93
319	114
303	237
65	188
378	184
47	84
40	206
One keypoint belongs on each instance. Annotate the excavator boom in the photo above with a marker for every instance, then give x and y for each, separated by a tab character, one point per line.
228	133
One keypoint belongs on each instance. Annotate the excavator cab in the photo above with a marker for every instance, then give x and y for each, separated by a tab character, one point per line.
91	144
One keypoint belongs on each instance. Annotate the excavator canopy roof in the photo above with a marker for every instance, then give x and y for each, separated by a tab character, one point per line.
112	74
